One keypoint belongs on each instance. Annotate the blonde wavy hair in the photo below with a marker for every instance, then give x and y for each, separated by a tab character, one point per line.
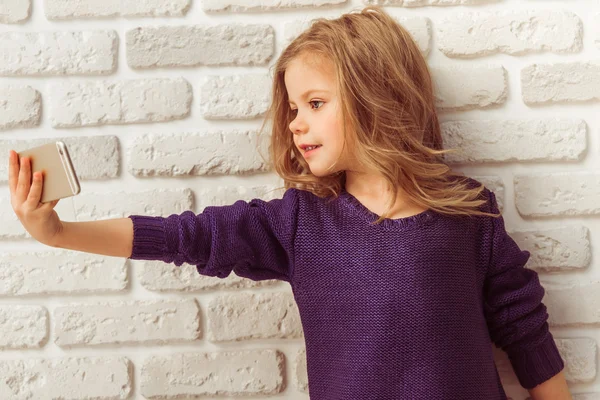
389	116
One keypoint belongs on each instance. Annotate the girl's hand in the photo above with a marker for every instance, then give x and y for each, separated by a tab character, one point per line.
39	219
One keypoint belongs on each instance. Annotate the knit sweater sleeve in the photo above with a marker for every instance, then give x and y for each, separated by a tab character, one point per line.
253	239
515	314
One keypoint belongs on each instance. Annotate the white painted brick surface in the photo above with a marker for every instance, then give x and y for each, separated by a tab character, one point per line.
597	40
467	87
23	327
14	11
146	322
221	45
263	5
98	205
423	3
93	157
109	378
542	195
515	140
60	272
580	355
586	396
235	97
206	153
58	53
254	316
20	107
573	305
127	102
301	376
229	373
556	250
160	103
559	83
59	9
516	33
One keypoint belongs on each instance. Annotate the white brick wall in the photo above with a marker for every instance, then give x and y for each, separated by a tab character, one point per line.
159	103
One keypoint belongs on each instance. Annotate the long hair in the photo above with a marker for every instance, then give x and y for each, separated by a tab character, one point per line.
389	116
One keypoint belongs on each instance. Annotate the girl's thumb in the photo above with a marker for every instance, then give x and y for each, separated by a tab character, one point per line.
51	204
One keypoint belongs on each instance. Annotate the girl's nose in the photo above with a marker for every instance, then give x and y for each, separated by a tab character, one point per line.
298	126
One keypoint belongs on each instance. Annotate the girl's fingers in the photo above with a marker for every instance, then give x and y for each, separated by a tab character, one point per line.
24	180
36	191
13	171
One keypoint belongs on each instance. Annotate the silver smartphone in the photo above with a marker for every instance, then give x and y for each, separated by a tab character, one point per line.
60	179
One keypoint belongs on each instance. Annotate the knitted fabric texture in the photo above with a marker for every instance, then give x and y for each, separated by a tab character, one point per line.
407	309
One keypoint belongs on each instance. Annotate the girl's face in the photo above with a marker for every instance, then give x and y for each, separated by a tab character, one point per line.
318	120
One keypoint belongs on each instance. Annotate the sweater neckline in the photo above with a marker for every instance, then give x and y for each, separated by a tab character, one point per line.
416	220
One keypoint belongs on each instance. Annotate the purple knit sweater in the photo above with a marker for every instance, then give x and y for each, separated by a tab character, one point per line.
407	309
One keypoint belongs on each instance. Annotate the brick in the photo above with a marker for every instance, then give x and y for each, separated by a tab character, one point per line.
220	45
515	140
580	358
264	5
162	277
235	97
561	82
579	355
61	272
573	305
159	202
586	396
14	11
301	376
566	193
229	373
242	316
464	87
496	185
225	195
107	378
515	33
20	107
59	9
147	322
119	102
597	41
93	157
58	53
556	250
425	3
418	27
23	327
207	153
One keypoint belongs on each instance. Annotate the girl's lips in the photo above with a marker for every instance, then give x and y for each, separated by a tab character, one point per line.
308	153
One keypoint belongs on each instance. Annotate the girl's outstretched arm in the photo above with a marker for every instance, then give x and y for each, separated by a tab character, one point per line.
254	239
109	237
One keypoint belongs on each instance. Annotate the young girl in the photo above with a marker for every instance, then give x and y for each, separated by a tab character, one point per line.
402	270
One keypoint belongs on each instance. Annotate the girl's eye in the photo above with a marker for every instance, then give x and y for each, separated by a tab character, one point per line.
315	101
294	110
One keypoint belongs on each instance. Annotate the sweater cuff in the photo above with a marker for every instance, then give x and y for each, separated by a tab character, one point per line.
148	238
537	365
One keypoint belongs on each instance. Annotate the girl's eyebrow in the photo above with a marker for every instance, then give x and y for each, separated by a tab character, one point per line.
310	91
